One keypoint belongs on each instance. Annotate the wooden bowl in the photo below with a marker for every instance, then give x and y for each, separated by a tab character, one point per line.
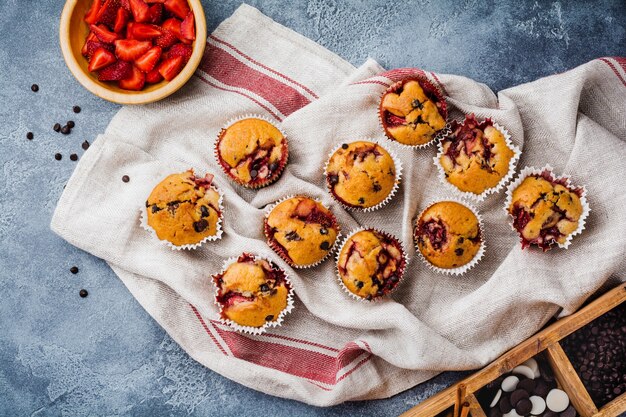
72	33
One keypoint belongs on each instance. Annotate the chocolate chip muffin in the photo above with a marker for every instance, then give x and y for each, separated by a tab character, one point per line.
184	209
545	210
448	235
361	175
252	152
412	112
301	230
475	156
252	292
371	263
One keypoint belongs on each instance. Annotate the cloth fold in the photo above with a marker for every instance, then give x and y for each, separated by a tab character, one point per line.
332	348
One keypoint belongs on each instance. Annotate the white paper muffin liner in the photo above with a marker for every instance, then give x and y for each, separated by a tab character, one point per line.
480	197
143	219
394	190
271	207
528	171
481	250
388	235
437	138
268	324
234	120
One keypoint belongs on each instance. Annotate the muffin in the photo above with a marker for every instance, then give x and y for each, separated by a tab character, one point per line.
370	264
362	175
301	230
545	210
184	209
252	152
412	112
475	157
448	235
252	293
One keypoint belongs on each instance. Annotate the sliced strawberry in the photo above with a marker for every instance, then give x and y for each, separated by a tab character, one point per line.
125	4
180	49
154	77
104	34
107	12
154	1
166	40
188	27
129	30
131	49
173	25
91	37
116	71
93	45
147	61
170	67
145	31
155	14
140	10
121	20
134	81
92	13
100	59
179	8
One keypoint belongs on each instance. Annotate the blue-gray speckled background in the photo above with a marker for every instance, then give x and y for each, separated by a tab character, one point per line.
62	355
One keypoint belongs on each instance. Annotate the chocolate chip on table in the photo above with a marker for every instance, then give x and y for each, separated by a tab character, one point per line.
527	385
56	127
34	88
524	406
30	136
125	178
517	396
74	157
325	245
83	293
85	145
74	270
70	124
76	109
65	130
58	156
269	318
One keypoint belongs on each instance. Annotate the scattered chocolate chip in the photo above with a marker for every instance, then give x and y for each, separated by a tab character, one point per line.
254	173
264	288
56	127
70	124
505	404
273	166
204	211
524	406
200	225
83	293
323	231
325	245
517	395
269	318
76	109
344	146
30	136
361	200
74	270
74	157
65	130
125	178
459	251
527	385
58	156
85	145
34	88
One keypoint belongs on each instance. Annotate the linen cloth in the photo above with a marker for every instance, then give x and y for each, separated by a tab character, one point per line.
333	348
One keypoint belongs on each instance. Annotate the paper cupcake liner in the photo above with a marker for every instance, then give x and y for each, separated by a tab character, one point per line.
444	106
480	197
389	236
143	219
565	179
464	268
226	170
268	324
278	250
396	185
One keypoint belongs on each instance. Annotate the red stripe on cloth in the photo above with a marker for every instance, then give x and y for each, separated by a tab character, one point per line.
361	363
277	117
228	70
610	64
273	71
371	82
320	386
439	83
400	74
206	328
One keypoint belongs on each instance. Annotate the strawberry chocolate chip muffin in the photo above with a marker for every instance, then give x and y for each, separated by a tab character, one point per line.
448	235
412	112
475	157
362	175
370	264
184	209
252	152
301	230
545	209
253	293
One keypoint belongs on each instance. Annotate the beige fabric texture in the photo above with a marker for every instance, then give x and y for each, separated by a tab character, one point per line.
575	121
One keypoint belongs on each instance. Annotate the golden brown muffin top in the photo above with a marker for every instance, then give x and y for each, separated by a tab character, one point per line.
361	174
448	234
301	230
371	263
184	209
412	112
252	291
252	151
544	210
475	155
